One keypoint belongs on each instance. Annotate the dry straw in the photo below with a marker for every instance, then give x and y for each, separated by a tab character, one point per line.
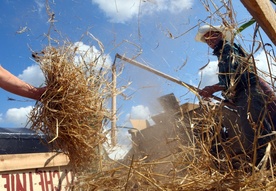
71	114
193	167
72	110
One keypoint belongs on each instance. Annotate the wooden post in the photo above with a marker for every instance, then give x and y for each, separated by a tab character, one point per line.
262	11
114	103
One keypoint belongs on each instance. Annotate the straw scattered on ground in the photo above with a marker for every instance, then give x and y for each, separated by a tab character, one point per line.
193	167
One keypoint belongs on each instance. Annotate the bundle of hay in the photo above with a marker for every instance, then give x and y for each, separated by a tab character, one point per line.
71	112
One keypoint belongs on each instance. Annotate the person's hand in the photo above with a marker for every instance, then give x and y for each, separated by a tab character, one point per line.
38	93
207	91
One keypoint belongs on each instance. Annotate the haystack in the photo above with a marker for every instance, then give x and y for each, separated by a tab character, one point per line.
72	110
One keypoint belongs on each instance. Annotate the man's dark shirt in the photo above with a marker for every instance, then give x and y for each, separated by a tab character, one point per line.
228	57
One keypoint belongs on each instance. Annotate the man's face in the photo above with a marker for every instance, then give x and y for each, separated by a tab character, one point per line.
212	38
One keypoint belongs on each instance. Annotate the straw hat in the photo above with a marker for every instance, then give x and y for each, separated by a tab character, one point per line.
227	34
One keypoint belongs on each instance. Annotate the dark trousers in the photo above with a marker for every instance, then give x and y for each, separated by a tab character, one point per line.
253	120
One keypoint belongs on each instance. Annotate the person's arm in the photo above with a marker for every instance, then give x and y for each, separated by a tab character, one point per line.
267	90
209	90
224	58
12	84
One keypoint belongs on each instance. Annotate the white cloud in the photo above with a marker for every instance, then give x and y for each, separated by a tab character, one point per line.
17	116
263	65
177	6
88	54
33	75
139	112
209	75
120	11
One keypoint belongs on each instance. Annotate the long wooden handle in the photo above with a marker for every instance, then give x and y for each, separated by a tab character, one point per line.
193	89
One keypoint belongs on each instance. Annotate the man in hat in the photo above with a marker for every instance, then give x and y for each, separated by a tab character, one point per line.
239	82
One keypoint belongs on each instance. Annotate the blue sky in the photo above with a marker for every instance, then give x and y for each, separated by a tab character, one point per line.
160	32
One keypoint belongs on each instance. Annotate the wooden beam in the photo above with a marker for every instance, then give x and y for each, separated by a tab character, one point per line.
32	160
263	12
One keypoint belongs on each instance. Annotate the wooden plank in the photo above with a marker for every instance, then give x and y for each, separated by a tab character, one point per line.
187	107
139	124
33	160
263	12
